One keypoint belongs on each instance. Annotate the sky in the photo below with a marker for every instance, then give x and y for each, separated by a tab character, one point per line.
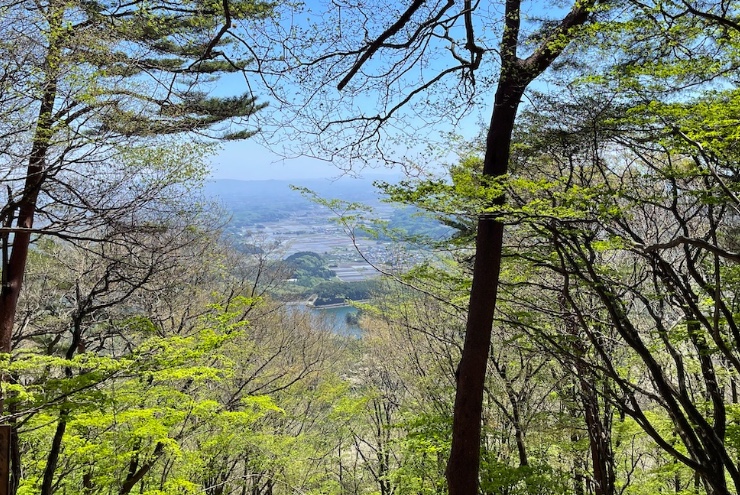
248	160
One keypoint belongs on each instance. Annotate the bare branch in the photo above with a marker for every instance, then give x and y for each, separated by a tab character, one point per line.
378	43
722	253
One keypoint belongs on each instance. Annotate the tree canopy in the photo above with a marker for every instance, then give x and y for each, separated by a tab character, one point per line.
574	331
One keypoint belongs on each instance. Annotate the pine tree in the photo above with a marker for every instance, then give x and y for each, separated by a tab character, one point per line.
97	98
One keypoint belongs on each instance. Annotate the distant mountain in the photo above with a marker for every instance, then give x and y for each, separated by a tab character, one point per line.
257	201
278	192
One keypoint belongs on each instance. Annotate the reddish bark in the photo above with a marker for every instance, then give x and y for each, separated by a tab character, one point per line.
516	74
14	263
15	268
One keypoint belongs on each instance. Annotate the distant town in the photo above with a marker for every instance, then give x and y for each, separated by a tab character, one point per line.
269	215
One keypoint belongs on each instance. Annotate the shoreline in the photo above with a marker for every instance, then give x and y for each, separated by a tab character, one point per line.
337	305
309	304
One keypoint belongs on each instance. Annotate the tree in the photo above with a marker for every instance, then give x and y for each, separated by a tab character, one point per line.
179	374
603	267
79	295
624	226
96	94
103	86
396	62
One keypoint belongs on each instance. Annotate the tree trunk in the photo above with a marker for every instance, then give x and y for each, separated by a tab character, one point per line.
598	430
578	469
52	460
14	263
462	469
53	457
15	268
138	474
15	453
598	440
515	76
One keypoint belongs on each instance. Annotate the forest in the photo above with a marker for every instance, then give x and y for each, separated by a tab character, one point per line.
570	329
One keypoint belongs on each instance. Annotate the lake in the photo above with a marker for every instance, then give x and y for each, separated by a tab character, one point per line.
335	317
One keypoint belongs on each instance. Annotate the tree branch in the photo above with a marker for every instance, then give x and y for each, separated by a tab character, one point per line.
376	45
700	243
553	46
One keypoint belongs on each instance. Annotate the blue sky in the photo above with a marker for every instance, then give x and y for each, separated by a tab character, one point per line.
248	160
290	124
431	118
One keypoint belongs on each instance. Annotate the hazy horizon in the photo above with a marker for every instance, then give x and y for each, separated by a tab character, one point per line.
248	160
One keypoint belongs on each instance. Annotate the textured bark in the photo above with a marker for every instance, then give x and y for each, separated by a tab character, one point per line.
14	263
598	429
599	442
515	76
15	456
53	457
138	473
15	268
462	469
15	251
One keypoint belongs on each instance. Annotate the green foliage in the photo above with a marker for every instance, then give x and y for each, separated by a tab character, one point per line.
423	447
176	405
617	306
454	204
308	268
498	478
415	224
338	292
